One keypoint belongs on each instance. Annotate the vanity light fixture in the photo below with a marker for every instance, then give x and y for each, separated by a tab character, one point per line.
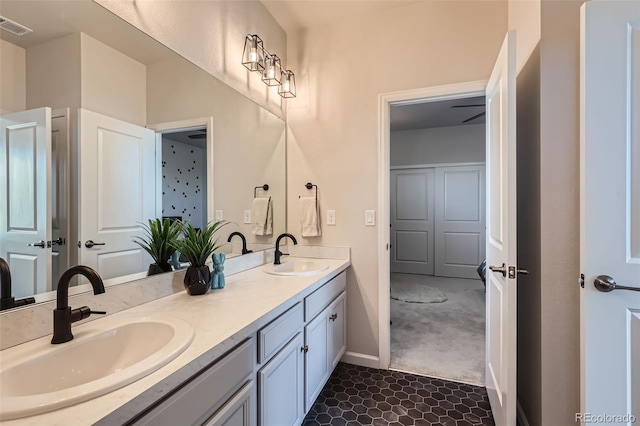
256	58
254	53
272	73
287	87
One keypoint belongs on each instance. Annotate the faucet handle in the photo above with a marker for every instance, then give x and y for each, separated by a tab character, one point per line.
83	312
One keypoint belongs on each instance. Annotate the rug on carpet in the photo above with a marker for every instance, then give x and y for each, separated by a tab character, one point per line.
409	288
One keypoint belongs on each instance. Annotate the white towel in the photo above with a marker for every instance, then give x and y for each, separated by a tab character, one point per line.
262	216
310	217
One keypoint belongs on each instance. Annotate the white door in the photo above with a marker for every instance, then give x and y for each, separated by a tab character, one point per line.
412	221
610	210
25	197
117	194
59	194
460	225
501	235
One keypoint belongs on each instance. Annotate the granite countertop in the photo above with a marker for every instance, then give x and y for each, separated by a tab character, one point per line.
221	319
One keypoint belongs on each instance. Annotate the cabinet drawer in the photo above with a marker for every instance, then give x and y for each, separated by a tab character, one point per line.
275	335
206	392
319	299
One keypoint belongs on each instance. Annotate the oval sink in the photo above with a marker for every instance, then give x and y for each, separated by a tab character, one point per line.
296	268
38	377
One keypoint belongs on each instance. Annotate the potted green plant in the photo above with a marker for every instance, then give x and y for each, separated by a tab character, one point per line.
197	246
159	242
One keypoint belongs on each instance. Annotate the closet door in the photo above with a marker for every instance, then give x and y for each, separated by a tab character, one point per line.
460	220
412	221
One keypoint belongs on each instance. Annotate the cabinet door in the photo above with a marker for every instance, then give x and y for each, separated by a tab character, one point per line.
239	411
337	330
205	393
317	356
280	385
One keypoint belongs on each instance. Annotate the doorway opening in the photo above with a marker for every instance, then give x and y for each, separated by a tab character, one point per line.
434	179
184	171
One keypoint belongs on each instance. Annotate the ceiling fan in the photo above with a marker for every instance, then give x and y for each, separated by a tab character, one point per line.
471	106
202	135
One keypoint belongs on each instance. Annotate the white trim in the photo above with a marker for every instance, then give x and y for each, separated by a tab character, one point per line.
436	93
363	360
183	126
428	166
521	417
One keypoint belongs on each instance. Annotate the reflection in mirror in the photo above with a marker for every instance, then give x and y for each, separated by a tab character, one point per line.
103	128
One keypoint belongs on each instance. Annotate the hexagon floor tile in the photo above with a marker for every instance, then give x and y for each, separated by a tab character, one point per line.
357	395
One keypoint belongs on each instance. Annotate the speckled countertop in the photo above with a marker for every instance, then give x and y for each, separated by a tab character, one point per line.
221	319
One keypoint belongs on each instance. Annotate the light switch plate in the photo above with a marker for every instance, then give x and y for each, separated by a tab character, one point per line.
331	217
247	216
219	215
370	217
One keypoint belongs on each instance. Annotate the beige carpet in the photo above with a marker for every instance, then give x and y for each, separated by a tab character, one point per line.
445	340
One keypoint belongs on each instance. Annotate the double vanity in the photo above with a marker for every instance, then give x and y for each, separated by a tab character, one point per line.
258	351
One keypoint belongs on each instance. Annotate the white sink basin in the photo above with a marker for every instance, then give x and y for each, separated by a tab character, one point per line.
296	268
107	354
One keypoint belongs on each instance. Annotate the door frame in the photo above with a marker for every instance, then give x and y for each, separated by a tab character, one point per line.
185	126
385	100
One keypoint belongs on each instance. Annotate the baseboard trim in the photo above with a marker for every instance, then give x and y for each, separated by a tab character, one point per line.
363	360
520	416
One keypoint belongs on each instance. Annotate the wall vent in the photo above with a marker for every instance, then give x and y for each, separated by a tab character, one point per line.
13	27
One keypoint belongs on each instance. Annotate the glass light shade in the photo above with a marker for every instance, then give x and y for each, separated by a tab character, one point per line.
272	72
287	87
253	55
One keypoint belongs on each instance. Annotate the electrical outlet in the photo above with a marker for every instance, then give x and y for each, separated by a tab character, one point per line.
247	216
219	215
370	218
331	217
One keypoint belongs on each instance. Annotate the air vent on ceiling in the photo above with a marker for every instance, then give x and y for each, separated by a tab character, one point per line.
13	27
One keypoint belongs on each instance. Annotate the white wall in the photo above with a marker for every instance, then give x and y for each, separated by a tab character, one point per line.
12	78
332	137
183	183
454	144
79	71
53	73
548	215
113	84
560	214
211	35
524	17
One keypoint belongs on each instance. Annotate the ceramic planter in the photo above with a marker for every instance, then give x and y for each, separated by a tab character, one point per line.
197	280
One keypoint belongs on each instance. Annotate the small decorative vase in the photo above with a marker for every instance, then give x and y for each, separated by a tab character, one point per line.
161	268
217	276
197	279
175	261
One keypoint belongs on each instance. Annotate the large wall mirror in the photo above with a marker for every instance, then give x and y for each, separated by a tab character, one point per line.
104	128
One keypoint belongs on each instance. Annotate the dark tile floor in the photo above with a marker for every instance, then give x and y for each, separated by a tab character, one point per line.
357	395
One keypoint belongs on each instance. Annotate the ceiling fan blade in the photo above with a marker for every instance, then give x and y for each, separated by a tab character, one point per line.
474	117
200	136
467	106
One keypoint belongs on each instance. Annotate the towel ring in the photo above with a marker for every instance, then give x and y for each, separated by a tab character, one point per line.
264	187
309	185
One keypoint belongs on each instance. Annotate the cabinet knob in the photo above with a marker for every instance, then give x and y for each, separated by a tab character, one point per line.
304	349
333	317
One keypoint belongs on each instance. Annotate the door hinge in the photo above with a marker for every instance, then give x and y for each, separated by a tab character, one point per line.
581	280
